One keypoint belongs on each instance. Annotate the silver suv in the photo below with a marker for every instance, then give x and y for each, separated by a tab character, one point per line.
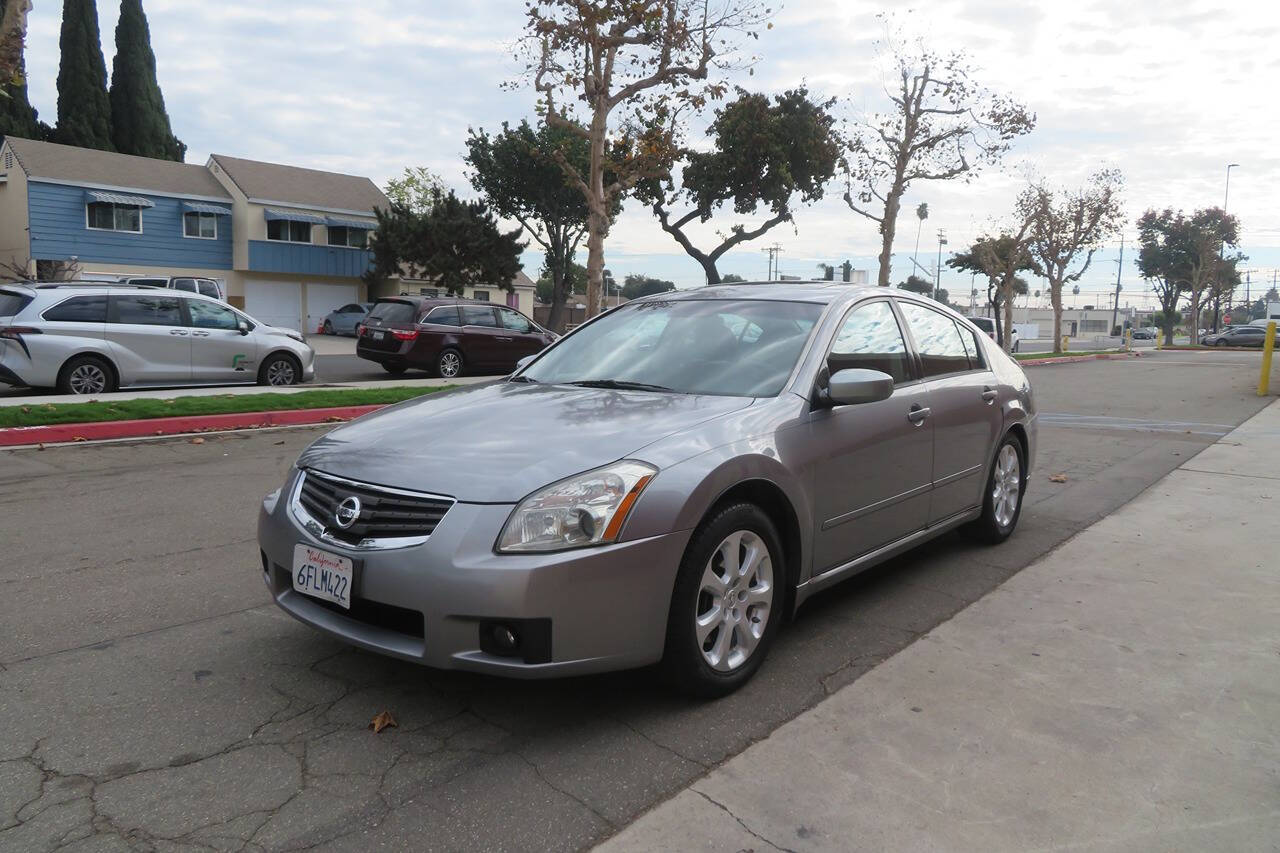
203	286
93	339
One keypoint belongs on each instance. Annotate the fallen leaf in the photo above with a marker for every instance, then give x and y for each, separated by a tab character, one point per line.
39	447
279	442
26	409
79	438
197	440
334	419
1057	478
381	720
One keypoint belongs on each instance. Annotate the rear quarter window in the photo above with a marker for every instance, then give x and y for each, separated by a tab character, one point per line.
11	303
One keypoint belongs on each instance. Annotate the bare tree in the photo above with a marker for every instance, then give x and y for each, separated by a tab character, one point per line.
13	36
942	125
635	64
1067	227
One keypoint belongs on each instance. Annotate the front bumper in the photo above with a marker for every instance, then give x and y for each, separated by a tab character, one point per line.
605	608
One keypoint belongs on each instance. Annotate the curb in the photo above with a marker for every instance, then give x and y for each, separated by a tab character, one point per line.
1072	359
150	427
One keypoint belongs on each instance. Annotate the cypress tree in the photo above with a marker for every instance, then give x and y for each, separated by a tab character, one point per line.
84	112
139	123
17	117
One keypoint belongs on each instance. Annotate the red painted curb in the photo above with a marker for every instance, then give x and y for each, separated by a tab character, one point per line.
56	433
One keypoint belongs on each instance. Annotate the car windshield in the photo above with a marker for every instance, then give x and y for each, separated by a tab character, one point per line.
743	348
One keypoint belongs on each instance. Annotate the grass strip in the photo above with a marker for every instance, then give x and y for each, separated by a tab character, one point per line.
44	414
1028	356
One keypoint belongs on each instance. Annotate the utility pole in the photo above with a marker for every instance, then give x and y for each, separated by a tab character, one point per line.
773	252
937	278
1115	306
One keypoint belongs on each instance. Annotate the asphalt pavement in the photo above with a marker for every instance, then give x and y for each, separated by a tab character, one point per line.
150	693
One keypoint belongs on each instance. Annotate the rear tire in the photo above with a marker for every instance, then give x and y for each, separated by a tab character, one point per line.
279	370
395	369
328	327
449	364
87	374
727	602
1219	343
1001	505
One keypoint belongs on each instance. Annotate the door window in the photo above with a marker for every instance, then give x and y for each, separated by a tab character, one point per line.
80	309
478	315
444	316
209	288
972	347
938	341
207	315
870	339
514	321
146	310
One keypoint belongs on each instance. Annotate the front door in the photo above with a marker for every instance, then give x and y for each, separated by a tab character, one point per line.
149	338
524	338
219	353
871	487
966	414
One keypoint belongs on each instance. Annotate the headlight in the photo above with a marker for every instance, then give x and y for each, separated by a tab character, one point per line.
586	509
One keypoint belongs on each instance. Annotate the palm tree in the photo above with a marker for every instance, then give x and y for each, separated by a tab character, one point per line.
922	213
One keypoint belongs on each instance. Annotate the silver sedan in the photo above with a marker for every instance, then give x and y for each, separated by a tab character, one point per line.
665	484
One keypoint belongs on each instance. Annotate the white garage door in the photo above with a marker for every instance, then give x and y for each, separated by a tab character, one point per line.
323	298
276	303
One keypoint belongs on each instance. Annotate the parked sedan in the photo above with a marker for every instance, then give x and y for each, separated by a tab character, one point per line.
1144	334
1237	336
447	337
91	339
667	483
345	320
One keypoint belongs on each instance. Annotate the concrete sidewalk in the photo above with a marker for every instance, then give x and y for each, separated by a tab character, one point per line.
1123	693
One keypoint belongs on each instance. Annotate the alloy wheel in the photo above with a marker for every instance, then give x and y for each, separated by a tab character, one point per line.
1006	485
735	600
88	379
280	372
450	364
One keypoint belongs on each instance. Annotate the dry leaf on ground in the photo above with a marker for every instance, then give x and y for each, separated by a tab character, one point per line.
197	441
1057	478
381	720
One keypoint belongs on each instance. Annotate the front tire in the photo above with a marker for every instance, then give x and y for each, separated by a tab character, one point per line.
87	374
1002	500
1219	343
328	328
278	370
727	602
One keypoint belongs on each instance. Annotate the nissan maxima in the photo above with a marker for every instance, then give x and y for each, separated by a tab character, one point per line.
665	485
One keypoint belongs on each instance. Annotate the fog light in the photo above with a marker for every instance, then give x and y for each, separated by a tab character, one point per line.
505	638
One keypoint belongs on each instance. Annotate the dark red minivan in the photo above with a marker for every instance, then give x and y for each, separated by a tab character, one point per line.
447	336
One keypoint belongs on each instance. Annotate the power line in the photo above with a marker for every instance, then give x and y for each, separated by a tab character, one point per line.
773	252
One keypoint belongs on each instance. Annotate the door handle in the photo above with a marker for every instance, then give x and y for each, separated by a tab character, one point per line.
177	331
917	414
989	394
199	334
501	338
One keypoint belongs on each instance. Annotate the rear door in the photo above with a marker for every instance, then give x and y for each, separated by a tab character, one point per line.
965	408
484	342
219	353
387	317
524	337
149	338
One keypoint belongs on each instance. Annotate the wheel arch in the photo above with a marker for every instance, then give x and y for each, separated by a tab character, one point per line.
770	497
93	353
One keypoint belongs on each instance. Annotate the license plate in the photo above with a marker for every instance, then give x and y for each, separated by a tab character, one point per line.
322	575
377	336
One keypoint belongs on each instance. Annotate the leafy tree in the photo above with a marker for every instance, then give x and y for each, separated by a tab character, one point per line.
13	36
139	123
575	279
517	172
1069	226
1000	259
416	189
766	154
1208	232
731	278
636	285
942	125
454	243
632	64
84	110
828	272
1164	259
916	284
922	213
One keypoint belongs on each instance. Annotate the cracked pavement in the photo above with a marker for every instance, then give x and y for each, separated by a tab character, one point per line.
152	698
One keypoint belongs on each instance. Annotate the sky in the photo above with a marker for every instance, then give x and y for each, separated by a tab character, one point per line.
1167	91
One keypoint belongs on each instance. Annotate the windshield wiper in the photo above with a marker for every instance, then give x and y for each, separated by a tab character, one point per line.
619	385
522	379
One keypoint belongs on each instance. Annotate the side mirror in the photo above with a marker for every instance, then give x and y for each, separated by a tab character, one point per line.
520	365
858	385
243	327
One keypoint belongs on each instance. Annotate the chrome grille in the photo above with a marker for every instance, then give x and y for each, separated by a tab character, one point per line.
388	518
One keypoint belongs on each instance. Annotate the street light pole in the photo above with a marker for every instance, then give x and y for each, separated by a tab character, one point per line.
1115	306
1217	302
937	275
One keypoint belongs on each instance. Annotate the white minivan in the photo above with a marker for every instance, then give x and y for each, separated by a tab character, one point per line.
203	286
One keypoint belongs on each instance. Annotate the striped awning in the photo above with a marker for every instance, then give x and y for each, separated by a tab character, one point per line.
201	207
349	223
293	217
117	198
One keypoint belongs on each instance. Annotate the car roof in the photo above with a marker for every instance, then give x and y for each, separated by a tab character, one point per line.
433	301
819	292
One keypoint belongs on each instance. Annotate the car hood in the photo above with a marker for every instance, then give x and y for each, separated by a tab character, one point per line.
498	442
